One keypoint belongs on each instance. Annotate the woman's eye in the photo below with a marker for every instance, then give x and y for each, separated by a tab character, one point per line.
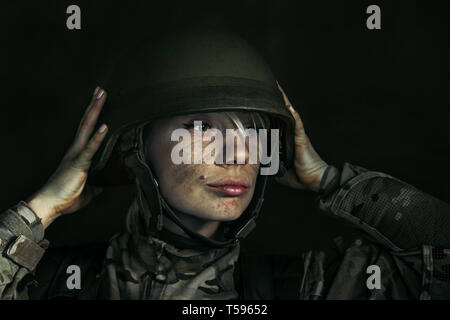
197	126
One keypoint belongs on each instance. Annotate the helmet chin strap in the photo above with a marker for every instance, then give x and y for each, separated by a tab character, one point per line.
171	213
131	149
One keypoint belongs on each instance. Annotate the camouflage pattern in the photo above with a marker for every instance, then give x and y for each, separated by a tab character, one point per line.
404	232
400	274
148	268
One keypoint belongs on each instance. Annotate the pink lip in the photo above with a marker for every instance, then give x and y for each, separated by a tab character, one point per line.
230	187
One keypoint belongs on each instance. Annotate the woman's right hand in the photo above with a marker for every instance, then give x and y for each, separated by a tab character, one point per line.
66	190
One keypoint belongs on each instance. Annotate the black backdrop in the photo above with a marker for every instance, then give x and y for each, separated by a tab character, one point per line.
376	98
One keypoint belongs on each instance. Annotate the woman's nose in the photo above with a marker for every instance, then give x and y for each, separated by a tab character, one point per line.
235	149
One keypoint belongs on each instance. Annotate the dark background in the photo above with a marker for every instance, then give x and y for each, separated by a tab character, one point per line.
375	98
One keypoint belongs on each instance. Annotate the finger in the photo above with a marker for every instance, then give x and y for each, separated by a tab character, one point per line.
285	98
76	145
89	107
92	113
299	128
84	159
93	98
87	123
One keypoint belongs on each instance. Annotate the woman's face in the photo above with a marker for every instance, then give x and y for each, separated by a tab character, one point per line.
214	192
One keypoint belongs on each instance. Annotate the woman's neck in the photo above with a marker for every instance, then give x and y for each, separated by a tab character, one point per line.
203	227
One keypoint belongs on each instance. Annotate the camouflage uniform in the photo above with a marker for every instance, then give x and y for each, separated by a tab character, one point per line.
404	231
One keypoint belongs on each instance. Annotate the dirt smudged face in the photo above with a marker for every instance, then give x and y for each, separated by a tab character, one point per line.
214	192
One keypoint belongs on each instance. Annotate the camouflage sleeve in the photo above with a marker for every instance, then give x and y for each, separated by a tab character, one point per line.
389	211
22	245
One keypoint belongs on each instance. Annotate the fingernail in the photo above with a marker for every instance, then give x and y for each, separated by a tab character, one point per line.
96	91
102	128
99	93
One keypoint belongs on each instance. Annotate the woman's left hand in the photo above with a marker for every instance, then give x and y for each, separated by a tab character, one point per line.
308	166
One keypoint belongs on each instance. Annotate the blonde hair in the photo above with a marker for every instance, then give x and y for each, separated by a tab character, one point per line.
259	120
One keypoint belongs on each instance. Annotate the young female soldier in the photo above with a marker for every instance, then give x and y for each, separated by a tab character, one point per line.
186	221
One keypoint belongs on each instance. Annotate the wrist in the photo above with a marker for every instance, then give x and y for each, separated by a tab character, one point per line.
311	178
31	219
42	208
330	181
318	181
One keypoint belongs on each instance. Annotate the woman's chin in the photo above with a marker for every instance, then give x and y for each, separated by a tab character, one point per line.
225	215
220	216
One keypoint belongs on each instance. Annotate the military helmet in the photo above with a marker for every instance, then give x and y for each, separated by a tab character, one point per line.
184	73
